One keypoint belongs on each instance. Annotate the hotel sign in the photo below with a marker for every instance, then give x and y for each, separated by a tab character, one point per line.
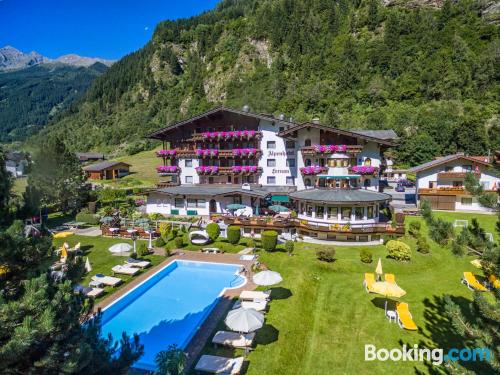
273	153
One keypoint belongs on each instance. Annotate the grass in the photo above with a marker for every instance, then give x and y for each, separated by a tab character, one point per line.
321	317
101	260
19	186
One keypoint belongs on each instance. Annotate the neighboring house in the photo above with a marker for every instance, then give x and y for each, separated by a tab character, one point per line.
441	181
16	163
85	157
393	175
107	170
225	156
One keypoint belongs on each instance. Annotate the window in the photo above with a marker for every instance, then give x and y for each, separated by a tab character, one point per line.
196	203
308	162
188	162
485	185
271	180
282	128
179	202
188	179
333	212
431	184
367	182
368	162
346	213
466	201
271	144
359	213
290	144
457	183
290	163
320	211
290	180
309	210
271	162
237	199
307	143
467	168
448	169
307	182
369	212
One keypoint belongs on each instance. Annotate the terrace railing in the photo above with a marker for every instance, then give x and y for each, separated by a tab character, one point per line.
350	149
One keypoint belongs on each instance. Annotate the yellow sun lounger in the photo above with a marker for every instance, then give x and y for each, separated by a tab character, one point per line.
390	278
369	281
470	280
405	320
495	283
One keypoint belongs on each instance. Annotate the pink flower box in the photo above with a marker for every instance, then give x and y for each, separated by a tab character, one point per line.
363	169
329	148
313	170
167	169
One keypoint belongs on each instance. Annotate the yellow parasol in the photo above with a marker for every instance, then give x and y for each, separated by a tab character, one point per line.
378	270
64	252
63	234
387	290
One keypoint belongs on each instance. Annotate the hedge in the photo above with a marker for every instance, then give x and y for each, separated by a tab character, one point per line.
269	240
213	231
233	234
398	250
87	218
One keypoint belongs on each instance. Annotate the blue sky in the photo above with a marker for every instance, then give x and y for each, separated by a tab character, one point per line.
94	28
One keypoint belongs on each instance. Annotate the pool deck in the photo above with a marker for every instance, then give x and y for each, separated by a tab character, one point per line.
202	335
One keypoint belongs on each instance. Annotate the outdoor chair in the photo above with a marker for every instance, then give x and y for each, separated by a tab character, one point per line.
405	319
369	281
471	282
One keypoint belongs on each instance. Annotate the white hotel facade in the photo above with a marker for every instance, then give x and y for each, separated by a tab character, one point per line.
329	176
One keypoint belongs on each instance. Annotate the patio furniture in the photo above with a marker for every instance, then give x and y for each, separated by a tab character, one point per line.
199	237
391	315
107	280
95	284
471	282
256	304
248	257
125	270
244	320
250	295
212	250
136	263
88	292
219	365
405	319
494	282
233	339
267	278
390	278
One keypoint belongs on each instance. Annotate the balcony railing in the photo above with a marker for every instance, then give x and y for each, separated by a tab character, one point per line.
165	184
235	170
364	170
456	174
226	136
442	190
225	154
315	150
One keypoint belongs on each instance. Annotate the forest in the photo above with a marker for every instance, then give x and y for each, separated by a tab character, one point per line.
431	74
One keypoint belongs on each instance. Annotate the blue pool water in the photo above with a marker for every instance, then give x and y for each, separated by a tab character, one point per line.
170	306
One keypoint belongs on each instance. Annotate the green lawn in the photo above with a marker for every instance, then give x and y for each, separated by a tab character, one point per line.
101	260
321	317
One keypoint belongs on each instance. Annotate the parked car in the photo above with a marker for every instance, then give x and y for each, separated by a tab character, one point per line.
406	183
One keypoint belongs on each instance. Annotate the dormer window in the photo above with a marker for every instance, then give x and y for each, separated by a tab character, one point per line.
307	142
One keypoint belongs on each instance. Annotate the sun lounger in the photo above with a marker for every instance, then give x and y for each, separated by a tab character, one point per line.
134	263
495	283
95	292
106	280
369	281
405	320
390	278
470	280
258	305
248	257
88	292
219	365
250	295
125	270
234	339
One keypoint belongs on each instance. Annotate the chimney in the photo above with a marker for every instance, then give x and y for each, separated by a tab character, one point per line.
315	120
246	108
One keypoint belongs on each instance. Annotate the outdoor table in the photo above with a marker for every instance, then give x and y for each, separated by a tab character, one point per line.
391	314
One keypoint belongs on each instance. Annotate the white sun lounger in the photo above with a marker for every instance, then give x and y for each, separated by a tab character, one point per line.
219	365
258	305
124	270
234	339
95	292
138	264
107	280
250	295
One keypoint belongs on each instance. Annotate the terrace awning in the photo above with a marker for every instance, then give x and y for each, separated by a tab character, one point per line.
280	198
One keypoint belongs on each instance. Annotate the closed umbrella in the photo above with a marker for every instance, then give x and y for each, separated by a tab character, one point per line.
378	270
120	248
235	206
244	320
278	208
63	234
88	268
387	290
267	278
64	251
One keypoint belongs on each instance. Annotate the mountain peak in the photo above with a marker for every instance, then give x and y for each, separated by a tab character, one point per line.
74	59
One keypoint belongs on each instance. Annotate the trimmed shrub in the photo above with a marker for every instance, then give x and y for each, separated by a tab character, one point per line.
327	255
142	250
425	210
159	242
179	242
388	237
423	246
269	239
233	234
414	229
213	231
289	247
398	250
87	218
366	256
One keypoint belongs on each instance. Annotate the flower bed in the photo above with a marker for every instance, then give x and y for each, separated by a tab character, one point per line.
166	153
237	134
329	149
207	169
249	152
167	169
312	170
206	152
244	169
363	169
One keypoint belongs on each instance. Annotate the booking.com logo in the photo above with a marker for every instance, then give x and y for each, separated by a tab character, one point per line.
435	356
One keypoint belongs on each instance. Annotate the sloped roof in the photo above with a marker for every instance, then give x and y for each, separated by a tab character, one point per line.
444	160
381	134
340	195
211	191
103	165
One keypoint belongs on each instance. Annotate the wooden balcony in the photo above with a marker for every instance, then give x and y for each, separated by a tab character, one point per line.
229	171
196	137
456	174
442	191
166	184
221	154
351	149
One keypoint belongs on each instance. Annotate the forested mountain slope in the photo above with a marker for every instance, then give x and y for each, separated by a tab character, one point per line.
430	73
31	97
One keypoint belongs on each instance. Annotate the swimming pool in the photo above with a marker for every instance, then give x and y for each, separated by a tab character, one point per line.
169	306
